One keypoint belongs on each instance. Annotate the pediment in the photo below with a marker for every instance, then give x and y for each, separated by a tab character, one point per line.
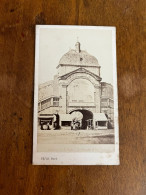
80	70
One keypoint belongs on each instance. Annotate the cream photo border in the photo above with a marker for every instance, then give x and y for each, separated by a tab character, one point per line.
90	157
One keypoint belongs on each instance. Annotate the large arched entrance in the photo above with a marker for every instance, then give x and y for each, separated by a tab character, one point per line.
86	116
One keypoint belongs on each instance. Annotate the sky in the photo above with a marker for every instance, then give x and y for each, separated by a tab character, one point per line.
55	42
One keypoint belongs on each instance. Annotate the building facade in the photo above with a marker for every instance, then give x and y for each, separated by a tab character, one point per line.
77	87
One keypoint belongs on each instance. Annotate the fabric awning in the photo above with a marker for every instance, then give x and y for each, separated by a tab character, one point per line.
66	117
46	116
99	117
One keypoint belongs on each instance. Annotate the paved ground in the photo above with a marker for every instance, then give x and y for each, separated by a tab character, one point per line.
76	137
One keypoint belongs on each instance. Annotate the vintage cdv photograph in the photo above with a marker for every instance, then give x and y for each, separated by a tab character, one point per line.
75	96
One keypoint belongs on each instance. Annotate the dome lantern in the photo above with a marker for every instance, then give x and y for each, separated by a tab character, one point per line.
77	46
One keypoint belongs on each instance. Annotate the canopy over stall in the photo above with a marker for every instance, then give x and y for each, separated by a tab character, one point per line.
65	120
100	120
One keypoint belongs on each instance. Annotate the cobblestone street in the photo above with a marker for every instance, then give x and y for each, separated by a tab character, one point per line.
76	137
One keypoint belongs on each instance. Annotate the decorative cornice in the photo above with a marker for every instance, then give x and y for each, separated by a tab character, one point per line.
93	66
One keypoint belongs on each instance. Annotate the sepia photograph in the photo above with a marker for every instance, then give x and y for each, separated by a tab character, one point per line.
75	100
72	89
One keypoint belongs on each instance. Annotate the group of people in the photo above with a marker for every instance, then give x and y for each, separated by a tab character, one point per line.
75	125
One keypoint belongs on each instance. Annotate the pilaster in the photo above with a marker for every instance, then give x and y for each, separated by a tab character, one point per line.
97	98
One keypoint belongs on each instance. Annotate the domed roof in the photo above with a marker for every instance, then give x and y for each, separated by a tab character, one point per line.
78	57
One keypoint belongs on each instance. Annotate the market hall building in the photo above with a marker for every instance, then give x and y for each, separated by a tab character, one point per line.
77	88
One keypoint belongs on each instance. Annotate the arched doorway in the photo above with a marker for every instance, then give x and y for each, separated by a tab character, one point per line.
86	116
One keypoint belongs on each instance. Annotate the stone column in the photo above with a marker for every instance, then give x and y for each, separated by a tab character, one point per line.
97	98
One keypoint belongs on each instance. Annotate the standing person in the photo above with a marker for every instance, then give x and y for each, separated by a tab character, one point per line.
74	126
48	126
78	125
51	125
56	121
